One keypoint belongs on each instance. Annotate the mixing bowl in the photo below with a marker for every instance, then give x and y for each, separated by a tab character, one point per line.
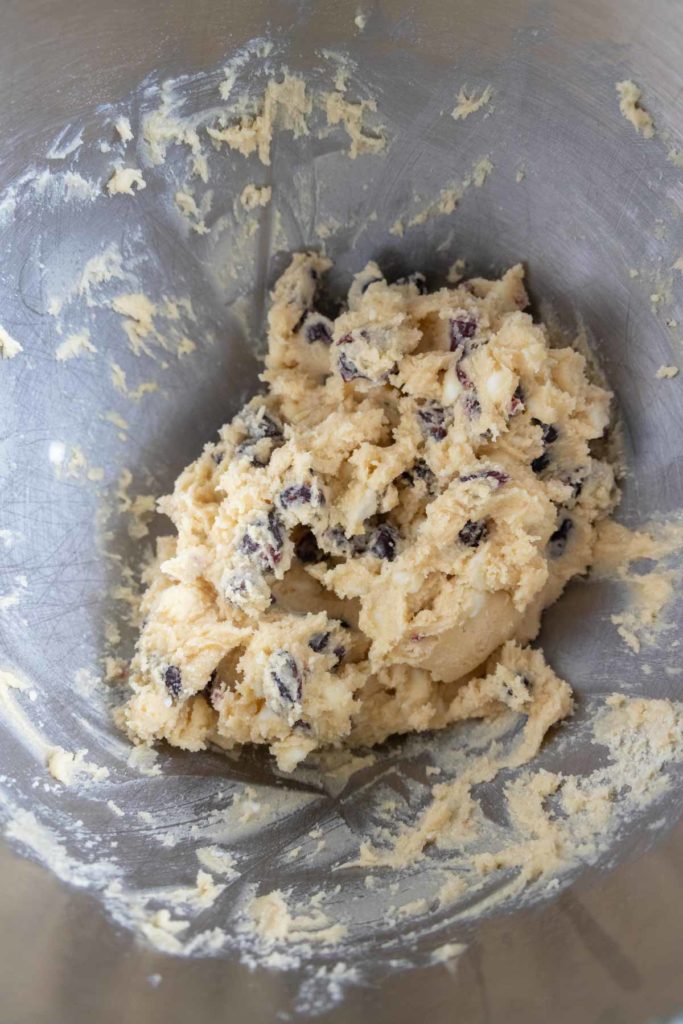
591	207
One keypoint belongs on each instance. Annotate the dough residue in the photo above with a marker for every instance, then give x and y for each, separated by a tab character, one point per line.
469	102
630	107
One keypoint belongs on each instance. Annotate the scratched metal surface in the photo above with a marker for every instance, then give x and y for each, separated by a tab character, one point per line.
608	948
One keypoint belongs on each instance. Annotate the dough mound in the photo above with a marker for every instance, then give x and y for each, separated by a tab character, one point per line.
370	544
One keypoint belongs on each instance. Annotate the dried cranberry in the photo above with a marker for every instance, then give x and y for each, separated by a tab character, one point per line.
432	418
319	642
472	406
173	681
461	329
382	542
558	540
473	533
540	463
267	554
306	549
286	675
496	477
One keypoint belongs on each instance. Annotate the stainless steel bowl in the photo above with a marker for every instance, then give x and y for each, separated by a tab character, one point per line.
596	201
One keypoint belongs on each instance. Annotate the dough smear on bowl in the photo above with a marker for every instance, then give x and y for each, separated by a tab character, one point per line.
369	546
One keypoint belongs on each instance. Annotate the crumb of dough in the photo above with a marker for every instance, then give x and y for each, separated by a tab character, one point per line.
284	105
9	346
74	345
629	105
455	271
187	205
360	21
123	129
470	103
520	175
448	952
666	372
351	116
678	265
368	547
115	809
254	196
633	273
675	157
273	921
67	766
125	181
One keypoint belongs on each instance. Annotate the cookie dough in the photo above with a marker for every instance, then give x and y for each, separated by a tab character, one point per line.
369	545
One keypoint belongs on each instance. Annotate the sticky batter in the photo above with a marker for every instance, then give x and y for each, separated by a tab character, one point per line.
369	545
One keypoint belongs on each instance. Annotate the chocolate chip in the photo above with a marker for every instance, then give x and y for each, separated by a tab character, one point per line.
558	540
319	642
473	533
173	681
540	463
307	550
433	420
382	542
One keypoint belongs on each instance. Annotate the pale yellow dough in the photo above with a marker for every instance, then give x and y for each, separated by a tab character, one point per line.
370	544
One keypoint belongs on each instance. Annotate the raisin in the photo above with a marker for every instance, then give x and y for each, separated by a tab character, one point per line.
286	675
382	542
473	533
173	681
540	463
319	642
432	418
306	549
461	329
558	540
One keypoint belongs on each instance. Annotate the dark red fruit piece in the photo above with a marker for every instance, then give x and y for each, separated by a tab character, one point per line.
548	431
318	328
432	418
347	369
495	476
517	400
461	329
